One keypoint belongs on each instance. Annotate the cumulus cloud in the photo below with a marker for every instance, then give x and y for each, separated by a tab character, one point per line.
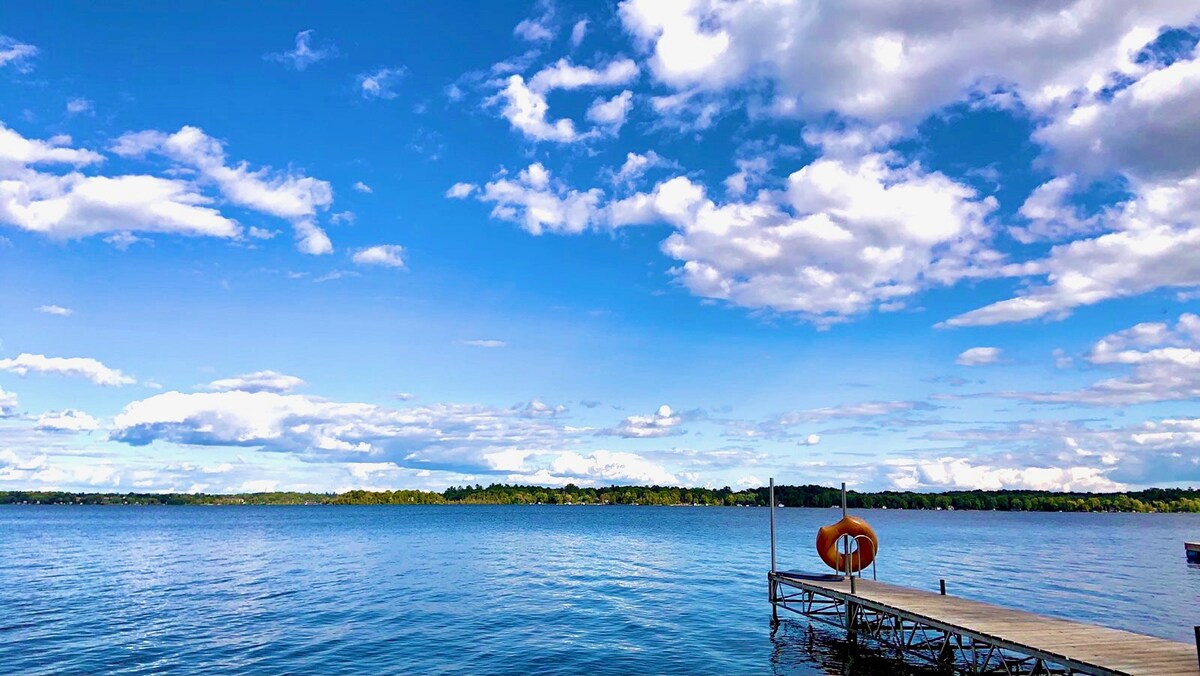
56	310
460	191
611	467
611	113
259	381
540	203
72	367
69	420
362	187
845	237
636	165
74	205
878	63
954	473
978	356
295	197
1143	134
663	422
304	54
385	255
526	108
1163	362
1146	130
565	75
380	83
442	436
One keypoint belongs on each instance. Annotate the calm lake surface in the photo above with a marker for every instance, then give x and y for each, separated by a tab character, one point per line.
141	590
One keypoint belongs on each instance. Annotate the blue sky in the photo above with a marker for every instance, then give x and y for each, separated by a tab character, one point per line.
699	243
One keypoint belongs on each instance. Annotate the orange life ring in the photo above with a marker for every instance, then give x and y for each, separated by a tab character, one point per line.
830	537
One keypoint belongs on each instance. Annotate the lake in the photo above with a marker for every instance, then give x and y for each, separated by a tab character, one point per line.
490	589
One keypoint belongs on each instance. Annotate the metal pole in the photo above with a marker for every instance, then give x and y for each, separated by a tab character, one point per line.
1197	630
771	495
843	499
943	587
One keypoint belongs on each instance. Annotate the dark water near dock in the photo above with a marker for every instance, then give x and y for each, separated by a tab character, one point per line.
477	589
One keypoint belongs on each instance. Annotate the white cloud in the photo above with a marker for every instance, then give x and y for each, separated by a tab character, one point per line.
69	420
526	109
362	187
1144	134
525	105
1146	130
864	61
955	473
461	190
578	32
8	403
57	310
565	75
17	151
440	436
74	367
978	356
1164	363
1154	242
304	54
387	255
636	165
16	53
749	172
486	342
611	466
259	381
379	84
663	422
811	440
539	28
611	113
539	203
845	237
291	196
1050	214
80	106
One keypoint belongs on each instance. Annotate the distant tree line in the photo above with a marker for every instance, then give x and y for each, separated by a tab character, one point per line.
1150	500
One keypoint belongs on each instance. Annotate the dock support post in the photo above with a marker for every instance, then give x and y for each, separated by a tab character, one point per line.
1197	630
943	583
771	577
771	497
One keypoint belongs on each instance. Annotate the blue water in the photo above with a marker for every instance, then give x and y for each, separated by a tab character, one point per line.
141	590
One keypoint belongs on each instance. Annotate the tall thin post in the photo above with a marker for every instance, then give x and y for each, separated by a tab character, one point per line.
771	496
843	499
1197	630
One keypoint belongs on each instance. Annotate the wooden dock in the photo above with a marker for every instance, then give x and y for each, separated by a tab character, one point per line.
974	637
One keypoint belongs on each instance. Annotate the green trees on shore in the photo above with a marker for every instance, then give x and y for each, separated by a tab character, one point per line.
1151	500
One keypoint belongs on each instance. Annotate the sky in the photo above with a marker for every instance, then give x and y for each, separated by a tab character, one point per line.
250	247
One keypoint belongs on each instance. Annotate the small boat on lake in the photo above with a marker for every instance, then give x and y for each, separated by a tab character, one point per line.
1192	549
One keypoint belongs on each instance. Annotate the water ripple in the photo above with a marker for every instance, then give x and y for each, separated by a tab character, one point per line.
527	589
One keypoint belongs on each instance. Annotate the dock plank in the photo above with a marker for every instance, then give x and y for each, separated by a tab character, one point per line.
1098	649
